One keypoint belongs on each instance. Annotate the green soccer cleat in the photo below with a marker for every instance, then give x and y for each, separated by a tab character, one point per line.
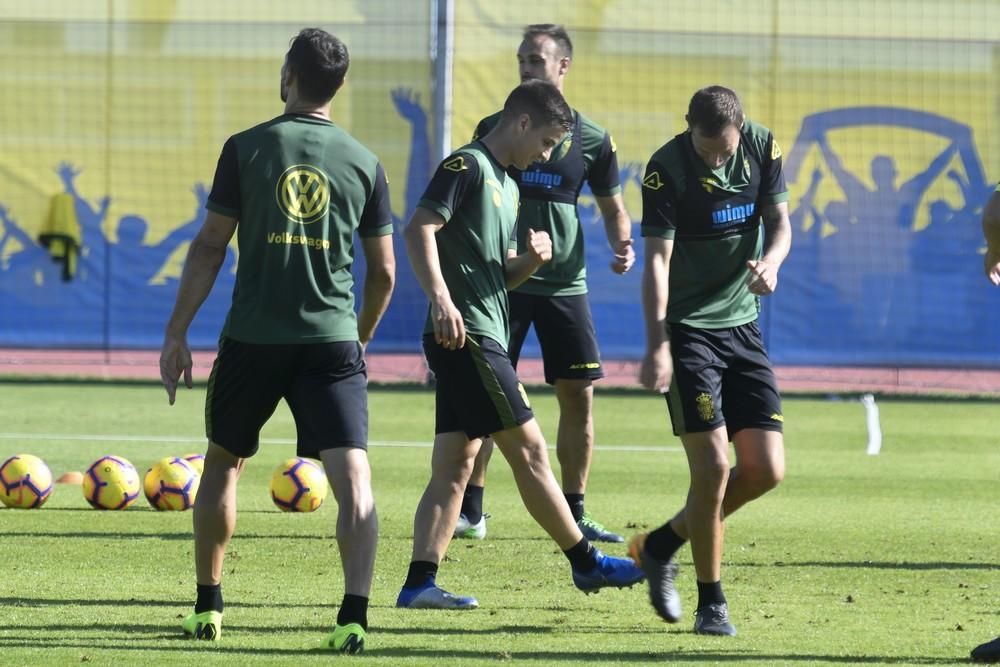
207	626
595	532
348	638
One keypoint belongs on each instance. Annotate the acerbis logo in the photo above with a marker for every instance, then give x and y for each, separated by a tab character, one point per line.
653	181
303	193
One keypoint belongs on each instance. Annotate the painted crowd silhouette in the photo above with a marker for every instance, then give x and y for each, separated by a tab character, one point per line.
877	273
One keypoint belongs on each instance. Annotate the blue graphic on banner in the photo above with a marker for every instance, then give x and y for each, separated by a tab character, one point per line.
865	284
112	298
883	269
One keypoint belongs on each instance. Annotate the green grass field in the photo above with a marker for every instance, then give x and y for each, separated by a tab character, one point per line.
855	559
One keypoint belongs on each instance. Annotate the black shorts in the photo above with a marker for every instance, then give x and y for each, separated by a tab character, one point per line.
477	390
721	376
565	330
324	384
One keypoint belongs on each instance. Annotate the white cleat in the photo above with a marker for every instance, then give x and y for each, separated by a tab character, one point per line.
468	531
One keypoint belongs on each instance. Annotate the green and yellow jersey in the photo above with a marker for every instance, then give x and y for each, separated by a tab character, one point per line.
299	186
713	217
549	192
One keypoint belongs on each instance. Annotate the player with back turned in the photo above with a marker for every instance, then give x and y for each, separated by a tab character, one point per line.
296	189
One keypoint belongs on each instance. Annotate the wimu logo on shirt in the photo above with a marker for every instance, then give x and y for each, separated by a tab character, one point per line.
732	215
541	178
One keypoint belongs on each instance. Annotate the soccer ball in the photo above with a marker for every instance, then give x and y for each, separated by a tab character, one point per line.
171	484
298	485
111	483
197	462
25	482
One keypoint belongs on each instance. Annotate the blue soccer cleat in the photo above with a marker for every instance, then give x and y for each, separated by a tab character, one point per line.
429	596
609	572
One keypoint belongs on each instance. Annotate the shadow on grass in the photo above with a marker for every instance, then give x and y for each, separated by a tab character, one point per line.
877	565
130	510
178	604
107	535
470	657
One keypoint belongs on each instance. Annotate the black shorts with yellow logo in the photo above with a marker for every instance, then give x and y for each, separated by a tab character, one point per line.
721	376
477	390
565	330
324	384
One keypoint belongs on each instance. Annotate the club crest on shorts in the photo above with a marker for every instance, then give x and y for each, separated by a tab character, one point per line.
706	410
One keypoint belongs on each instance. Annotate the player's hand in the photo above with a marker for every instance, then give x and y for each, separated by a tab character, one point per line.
992	266
657	369
624	256
539	244
175	359
763	277
449	327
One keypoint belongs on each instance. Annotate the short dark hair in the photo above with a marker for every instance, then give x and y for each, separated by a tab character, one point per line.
543	103
714	108
555	31
319	62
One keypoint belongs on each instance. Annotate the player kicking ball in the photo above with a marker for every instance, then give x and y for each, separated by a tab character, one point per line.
462	250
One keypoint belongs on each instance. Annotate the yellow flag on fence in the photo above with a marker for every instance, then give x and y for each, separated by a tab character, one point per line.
61	233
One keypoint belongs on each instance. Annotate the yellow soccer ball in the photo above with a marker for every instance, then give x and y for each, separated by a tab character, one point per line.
197	461
171	484
111	483
298	485
25	482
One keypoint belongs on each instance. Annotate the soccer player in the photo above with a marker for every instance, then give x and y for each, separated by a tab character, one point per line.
554	298
990	651
991	232
715	220
461	247
295	189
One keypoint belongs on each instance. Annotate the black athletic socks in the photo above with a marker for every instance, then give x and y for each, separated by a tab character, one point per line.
575	501
472	503
209	598
419	573
663	542
581	556
353	609
710	594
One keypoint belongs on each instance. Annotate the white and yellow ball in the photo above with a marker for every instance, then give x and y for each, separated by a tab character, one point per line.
25	482
298	485
171	484
197	461
111	483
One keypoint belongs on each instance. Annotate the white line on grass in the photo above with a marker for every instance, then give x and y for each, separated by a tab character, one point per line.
66	437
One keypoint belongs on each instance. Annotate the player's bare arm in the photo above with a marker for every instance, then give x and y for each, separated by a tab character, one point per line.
763	273
618	226
656	369
205	256
520	267
380	276
449	327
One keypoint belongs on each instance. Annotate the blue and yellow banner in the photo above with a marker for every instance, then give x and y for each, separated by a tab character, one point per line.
885	112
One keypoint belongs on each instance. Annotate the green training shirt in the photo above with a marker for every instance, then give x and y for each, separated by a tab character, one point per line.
478	202
300	186
714	218
549	192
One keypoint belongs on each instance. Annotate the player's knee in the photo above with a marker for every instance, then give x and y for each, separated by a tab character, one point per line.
764	478
531	458
708	476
